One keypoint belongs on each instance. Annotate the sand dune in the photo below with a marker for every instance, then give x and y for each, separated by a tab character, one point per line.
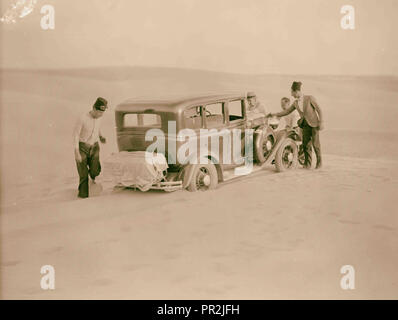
265	236
280	242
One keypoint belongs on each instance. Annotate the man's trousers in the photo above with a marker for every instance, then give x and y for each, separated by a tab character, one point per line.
90	165
311	134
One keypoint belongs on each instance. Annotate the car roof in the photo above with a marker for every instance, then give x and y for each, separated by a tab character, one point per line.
173	104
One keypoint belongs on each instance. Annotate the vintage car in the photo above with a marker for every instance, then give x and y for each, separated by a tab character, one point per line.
200	117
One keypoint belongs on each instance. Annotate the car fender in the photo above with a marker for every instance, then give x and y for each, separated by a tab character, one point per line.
263	131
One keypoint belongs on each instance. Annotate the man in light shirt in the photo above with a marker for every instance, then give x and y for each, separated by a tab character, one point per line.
85	139
292	118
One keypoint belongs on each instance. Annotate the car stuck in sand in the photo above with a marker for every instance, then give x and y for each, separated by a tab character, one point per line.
194	143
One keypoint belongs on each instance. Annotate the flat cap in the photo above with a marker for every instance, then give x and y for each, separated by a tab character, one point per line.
101	104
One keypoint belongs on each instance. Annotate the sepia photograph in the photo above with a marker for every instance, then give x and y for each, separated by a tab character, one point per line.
198	150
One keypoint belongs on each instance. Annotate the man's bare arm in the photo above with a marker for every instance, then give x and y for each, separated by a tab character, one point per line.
76	138
76	133
101	137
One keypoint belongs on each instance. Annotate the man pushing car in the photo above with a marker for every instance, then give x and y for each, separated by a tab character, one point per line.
85	140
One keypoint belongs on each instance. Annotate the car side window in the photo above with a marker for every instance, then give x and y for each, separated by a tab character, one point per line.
235	108
215	114
193	118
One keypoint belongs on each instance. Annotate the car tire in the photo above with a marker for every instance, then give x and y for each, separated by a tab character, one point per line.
204	177
287	156
264	143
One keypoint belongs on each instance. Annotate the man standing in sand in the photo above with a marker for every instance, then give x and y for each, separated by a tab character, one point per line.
291	123
311	122
85	139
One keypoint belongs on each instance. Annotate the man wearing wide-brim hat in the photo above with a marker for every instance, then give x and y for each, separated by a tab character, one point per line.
86	135
311	122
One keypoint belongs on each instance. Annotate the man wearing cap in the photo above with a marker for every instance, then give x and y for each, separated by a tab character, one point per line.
255	109
255	113
311	122
85	139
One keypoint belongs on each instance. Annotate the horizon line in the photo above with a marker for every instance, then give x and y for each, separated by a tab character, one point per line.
29	69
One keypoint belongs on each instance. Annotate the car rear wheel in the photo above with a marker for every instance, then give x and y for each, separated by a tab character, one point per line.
287	156
204	177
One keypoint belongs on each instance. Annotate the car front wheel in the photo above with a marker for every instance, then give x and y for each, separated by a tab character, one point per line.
287	156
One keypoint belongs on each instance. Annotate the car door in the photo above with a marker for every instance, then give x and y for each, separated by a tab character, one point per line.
237	120
215	121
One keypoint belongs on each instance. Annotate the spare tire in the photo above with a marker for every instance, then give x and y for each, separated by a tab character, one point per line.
264	142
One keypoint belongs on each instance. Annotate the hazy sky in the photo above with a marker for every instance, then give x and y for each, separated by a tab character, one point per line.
244	36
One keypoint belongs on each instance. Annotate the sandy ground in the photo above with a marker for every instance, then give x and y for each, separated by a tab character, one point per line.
265	236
